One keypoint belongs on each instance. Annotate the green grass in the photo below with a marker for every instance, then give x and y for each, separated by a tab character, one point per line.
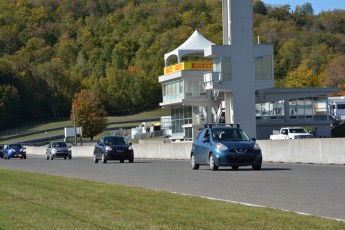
37	201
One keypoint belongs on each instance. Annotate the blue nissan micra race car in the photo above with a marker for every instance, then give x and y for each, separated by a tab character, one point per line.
14	150
225	145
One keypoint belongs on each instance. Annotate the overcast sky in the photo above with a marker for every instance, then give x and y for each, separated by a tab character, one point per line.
318	5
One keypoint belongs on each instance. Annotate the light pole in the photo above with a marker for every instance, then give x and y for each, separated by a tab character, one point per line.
75	128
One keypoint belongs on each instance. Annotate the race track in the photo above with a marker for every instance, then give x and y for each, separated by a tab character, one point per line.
307	188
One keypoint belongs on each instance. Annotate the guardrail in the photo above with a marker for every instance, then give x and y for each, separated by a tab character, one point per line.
308	151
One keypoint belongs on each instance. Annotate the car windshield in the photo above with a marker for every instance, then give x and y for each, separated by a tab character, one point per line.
59	144
115	141
298	131
229	135
15	146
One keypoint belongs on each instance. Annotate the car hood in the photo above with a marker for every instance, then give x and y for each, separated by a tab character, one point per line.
61	148
238	144
118	146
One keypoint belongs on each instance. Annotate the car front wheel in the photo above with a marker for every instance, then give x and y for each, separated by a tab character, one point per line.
194	165
104	158
256	167
213	165
95	160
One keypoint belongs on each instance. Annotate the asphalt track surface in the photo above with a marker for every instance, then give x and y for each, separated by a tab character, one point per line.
306	188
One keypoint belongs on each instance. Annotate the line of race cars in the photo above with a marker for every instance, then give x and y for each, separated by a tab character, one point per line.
216	145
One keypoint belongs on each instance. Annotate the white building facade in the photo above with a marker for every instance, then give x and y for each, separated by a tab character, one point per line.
235	81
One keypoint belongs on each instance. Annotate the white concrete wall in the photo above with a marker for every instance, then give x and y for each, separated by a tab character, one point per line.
318	150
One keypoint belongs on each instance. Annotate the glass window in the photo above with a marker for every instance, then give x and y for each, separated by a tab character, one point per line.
264	67
181	115
173	90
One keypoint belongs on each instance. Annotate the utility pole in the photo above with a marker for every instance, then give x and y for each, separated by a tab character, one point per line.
75	128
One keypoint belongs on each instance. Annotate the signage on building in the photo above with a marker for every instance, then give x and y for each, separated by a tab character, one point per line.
188	66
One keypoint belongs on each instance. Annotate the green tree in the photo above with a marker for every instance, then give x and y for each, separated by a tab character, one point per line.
260	7
89	113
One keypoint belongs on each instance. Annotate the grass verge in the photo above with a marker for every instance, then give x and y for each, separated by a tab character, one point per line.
38	201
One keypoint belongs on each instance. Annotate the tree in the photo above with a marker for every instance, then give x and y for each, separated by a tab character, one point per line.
259	7
302	77
89	113
335	73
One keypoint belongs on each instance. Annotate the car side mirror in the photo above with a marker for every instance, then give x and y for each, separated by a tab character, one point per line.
130	143
253	139
24	147
70	146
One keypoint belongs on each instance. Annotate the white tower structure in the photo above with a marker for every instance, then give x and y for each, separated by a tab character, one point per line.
239	67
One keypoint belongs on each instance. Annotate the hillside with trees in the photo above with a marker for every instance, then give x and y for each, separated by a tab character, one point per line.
52	49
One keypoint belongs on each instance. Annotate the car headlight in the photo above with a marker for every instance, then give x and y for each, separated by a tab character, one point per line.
130	148
108	148
256	146
54	151
220	146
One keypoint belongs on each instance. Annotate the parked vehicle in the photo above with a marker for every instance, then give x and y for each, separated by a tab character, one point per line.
225	145
291	133
1	151
58	149
113	148
336	107
14	150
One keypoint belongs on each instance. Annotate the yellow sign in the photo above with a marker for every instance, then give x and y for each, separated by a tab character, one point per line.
188	66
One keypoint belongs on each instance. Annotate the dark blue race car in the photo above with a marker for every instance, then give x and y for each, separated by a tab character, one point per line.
225	145
14	150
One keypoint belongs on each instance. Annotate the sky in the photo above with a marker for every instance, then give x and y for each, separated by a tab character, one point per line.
318	5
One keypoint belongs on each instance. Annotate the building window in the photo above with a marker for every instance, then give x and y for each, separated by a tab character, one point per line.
173	90
195	88
180	115
270	110
314	108
223	65
264	67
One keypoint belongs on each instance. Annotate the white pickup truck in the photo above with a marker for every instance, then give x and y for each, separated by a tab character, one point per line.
290	133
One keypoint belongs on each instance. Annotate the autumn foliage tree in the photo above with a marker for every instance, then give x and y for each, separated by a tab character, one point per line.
335	73
89	113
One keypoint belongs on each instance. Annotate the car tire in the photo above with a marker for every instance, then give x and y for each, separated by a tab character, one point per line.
131	160
65	158
121	161
213	165
70	157
194	165
256	167
95	160
104	158
47	157
51	157
235	167
24	157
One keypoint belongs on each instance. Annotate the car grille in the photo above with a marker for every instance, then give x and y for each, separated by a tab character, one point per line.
241	159
240	150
